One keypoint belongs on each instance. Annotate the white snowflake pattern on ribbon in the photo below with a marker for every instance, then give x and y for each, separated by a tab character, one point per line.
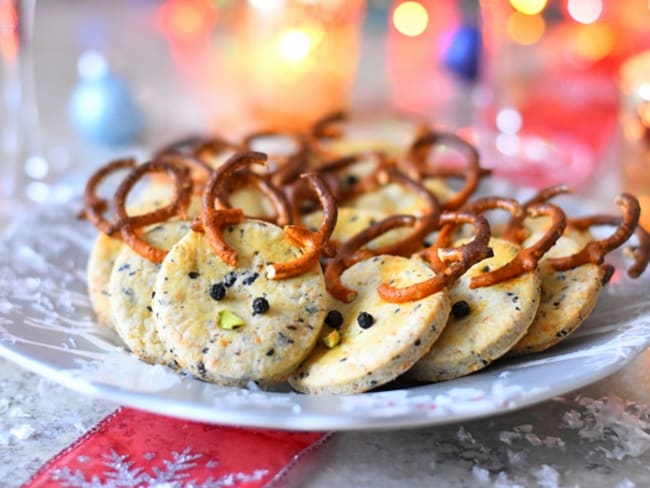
124	473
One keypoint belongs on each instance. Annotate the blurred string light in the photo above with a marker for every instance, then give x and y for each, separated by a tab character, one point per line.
9	30
585	11
294	45
528	7
524	29
594	41
644	92
411	18
186	20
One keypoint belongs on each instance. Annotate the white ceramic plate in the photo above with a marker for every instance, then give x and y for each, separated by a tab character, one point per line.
48	326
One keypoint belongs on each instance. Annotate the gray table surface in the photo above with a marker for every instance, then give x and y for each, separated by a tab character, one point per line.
597	436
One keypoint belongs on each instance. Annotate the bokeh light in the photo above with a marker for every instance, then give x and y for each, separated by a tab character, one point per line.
594	41
585	11
294	45
528	7
525	29
509	121
411	18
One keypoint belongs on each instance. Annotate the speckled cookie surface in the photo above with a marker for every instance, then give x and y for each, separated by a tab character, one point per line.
100	264
268	346
568	297
351	221
399	335
131	287
496	318
105	250
394	198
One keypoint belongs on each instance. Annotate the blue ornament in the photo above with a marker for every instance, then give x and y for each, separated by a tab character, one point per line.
464	53
102	108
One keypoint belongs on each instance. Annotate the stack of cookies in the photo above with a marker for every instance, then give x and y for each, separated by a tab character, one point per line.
339	260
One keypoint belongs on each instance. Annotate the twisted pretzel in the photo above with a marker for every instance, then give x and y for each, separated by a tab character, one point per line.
424	224
350	253
457	260
526	259
215	212
129	225
314	244
415	165
595	251
276	197
288	167
94	207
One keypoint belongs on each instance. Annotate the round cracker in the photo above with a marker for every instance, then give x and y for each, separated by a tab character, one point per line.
400	335
350	221
394	198
131	287
268	346
568	297
106	249
100	264
499	316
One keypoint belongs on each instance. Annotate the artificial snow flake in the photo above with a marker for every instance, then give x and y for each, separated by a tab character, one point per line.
124	473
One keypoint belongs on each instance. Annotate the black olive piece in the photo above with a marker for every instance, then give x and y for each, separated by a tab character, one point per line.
217	291
460	309
334	319
193	275
365	320
260	306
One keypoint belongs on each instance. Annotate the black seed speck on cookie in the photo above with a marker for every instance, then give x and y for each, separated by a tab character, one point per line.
250	279
230	279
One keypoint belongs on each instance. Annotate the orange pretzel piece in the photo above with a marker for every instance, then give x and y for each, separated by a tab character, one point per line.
416	165
276	197
425	223
595	251
350	253
128	225
214	218
94	207
314	244
526	259
478	206
640	253
287	168
457	260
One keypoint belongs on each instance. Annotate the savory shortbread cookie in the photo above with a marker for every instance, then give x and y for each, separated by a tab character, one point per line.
484	322
394	198
131	287
350	221
105	250
100	264
234	325
568	297
378	340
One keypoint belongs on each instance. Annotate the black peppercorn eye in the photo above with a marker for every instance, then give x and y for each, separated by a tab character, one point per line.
460	309
365	320
260	306
334	319
217	291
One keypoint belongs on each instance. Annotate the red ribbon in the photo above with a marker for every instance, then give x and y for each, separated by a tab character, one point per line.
130	448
